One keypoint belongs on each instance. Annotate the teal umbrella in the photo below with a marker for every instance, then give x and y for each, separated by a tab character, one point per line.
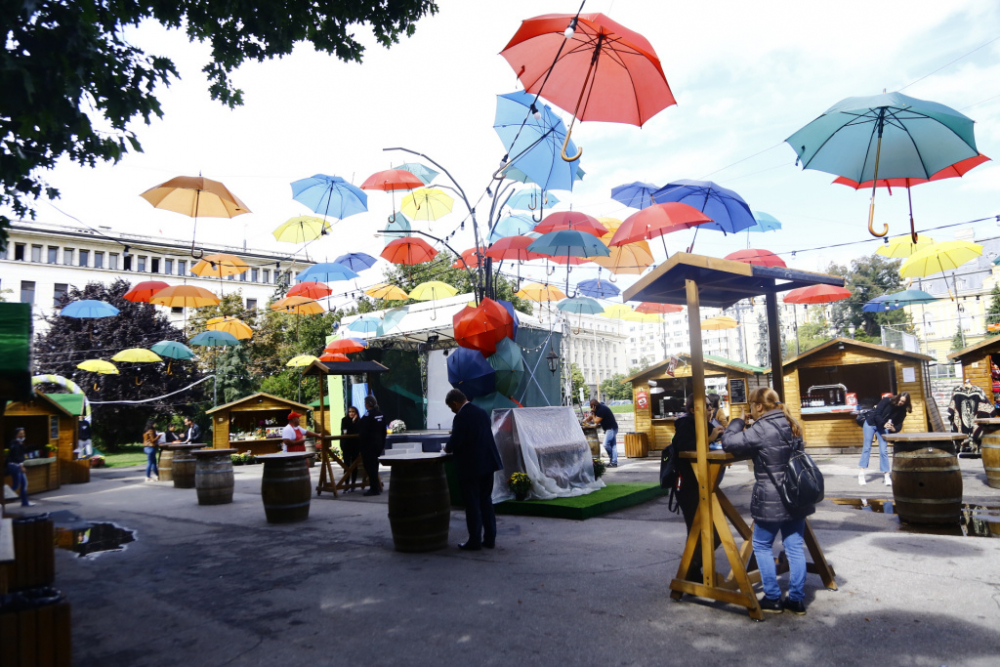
569	243
424	173
398	225
580	305
171	349
508	362
494	401
214	339
390	320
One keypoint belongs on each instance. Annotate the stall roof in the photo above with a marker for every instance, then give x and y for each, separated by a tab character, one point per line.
981	347
50	400
343	368
721	282
710	360
254	397
71	402
857	343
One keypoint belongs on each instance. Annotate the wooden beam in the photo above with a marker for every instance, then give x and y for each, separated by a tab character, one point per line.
774	338
705	495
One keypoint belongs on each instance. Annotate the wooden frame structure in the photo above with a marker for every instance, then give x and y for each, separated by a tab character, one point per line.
693	280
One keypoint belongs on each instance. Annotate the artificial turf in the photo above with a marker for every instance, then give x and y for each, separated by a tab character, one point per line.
611	498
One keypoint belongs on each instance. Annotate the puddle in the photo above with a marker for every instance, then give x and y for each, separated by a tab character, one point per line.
976	520
86	538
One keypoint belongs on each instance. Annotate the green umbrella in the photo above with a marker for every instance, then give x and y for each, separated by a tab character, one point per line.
214	339
172	350
494	401
508	362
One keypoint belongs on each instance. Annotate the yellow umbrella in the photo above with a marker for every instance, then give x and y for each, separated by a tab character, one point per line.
432	291
184	296
137	355
611	224
387	292
632	258
219	266
98	366
299	305
719	323
647	317
539	292
903	246
301	360
939	258
426	204
621	312
301	229
230	325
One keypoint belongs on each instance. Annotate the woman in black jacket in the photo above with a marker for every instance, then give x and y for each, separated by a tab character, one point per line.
770	442
887	417
350	425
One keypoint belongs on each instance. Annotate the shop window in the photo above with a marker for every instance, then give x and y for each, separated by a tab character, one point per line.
84	258
59	293
818	386
28	289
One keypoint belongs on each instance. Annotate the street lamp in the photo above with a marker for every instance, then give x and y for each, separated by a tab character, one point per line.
552	359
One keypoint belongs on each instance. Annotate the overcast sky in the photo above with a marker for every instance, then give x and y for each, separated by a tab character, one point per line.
745	75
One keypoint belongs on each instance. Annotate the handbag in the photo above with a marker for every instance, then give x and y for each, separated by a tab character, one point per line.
669	476
802	485
862	417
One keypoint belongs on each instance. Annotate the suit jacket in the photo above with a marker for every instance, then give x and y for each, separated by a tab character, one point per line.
194	433
471	443
371	432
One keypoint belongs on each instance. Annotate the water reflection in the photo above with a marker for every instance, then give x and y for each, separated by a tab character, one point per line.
976	520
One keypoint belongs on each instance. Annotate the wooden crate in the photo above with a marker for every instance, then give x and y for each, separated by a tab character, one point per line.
636	445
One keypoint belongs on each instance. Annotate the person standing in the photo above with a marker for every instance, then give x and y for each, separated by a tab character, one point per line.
887	417
293	436
349	426
371	430
770	441
149	441
476	459
15	467
85	446
171	434
601	415
193	431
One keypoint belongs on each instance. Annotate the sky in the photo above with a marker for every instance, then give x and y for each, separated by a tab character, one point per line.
745	76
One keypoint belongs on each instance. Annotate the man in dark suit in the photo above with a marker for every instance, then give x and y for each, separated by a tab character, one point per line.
476	459
193	431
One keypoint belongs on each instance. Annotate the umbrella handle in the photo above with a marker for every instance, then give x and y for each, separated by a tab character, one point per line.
579	150
871	219
392	218
612	278
197	256
498	175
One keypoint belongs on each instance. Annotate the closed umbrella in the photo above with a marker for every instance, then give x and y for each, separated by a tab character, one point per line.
469	372
508	362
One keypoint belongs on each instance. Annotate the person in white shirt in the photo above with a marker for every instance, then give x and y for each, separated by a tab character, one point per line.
293	437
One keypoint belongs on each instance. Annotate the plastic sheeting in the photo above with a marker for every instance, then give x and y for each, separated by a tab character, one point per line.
547	444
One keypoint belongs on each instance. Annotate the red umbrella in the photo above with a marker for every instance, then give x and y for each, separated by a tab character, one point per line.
481	328
513	248
331	356
817	294
392	179
144	291
311	290
756	257
345	346
409	250
469	258
648	308
598	68
563	259
581	222
657	220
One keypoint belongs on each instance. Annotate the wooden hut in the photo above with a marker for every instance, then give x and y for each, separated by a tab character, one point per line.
981	367
253	423
45	422
826	385
326	426
659	392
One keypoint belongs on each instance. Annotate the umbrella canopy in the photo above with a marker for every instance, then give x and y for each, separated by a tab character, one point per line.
219	266
387	293
171	349
597	289
333	356
214	339
512	225
632	258
310	289
901	247
620	312
657	220
756	257
533	137
398	227
432	291
301	360
814	294
390	319
391	180
569	243
230	325
540	292
301	229
356	261
939	257
326	272
426	204
364	324
635	195
469	372
580	305
956	170
346	346
765	223
408	250
728	211
195	197
98	366
298	305
508	362
905	298
610	224
88	309
469	258
423	172
718	323
137	355
482	327
330	196
574	220
647	308
513	248
144	291
532	199
184	296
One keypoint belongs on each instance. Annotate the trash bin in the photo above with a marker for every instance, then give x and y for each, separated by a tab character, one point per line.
35	627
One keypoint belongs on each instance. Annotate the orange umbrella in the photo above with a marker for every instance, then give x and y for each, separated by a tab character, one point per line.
230	325
387	292
144	291
298	305
648	308
392	179
219	266
409	250
195	197
630	258
311	290
481	328
469	258
331	356
346	346
184	296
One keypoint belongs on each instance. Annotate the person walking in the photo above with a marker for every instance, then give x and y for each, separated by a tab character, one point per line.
193	431
350	447
770	442
601	415
15	467
84	445
149	442
371	430
476	459
887	417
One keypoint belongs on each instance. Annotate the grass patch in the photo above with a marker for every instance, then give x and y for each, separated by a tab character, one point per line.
125	456
611	498
621	409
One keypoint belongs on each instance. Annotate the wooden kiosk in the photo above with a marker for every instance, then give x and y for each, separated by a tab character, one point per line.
45	422
692	280
978	364
666	389
244	416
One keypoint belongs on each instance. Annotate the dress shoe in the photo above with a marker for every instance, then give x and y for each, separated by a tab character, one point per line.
490	545
468	546
370	492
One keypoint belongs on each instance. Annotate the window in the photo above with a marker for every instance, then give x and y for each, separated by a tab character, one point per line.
251	304
36	254
84	258
126	262
231	277
59	293
98	260
19	252
53	255
182	267
68	256
113	261
267	275
243	276
28	288
168	267
156	265
254	275
141	266
177	310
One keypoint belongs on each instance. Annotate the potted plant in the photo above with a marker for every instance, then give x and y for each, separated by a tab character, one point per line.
599	468
520	485
237	459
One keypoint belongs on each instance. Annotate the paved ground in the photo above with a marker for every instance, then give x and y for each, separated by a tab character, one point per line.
219	586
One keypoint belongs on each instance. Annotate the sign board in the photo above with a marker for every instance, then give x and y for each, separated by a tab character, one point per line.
737	391
642	399
53	429
909	374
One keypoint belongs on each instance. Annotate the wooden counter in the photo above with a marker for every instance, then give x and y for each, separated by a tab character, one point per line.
257	446
42	474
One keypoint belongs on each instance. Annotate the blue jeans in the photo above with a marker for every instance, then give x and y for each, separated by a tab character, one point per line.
18	481
151	467
883	449
611	444
792	538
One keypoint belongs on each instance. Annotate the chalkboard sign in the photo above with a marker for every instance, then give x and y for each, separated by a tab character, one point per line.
53	429
737	391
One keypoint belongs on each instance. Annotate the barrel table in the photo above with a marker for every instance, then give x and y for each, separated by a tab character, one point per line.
593	440
165	464
213	476
990	450
926	479
286	487
182	463
419	504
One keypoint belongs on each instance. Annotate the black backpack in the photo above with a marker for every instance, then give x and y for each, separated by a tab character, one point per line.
802	486
668	477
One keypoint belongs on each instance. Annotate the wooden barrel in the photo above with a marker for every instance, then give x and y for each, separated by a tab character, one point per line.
927	486
166	465
990	450
183	469
79	471
594	440
213	476
636	445
286	489
419	507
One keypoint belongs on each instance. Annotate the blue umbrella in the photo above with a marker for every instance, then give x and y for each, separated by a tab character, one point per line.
364	325
533	136
513	314
727	209
531	199
399	225
512	225
326	272
89	309
214	339
469	371
898	300
597	289
635	195
423	172
569	243
765	223
330	195
356	261
390	319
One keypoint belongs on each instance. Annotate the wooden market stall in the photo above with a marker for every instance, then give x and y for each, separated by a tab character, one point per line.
659	392
45	423
238	425
72	468
981	367
829	383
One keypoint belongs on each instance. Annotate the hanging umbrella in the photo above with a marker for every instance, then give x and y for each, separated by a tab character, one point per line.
230	325
540	292
390	320
397	228
756	257
635	195
424	173
814	294
512	225
571	245
910	297
469	258
409	250
142	292
301	229
346	346
330	196
136	355
620	311
718	323
728	211
88	309
310	289
610	224
513	248
580	305
326	272
298	305
184	296
356	261
901	247
195	197
597	289
432	291
469	371
591	66
172	349
658	220
765	222
939	258
533	137
98	366
885	136
219	266
532	199
632	258
391	180
214	339
426	204
363	325
301	361
387	293
494	401
482	327
333	356
647	308
575	220
508	362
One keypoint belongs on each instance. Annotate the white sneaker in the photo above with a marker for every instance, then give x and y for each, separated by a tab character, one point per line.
887	479
861	477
